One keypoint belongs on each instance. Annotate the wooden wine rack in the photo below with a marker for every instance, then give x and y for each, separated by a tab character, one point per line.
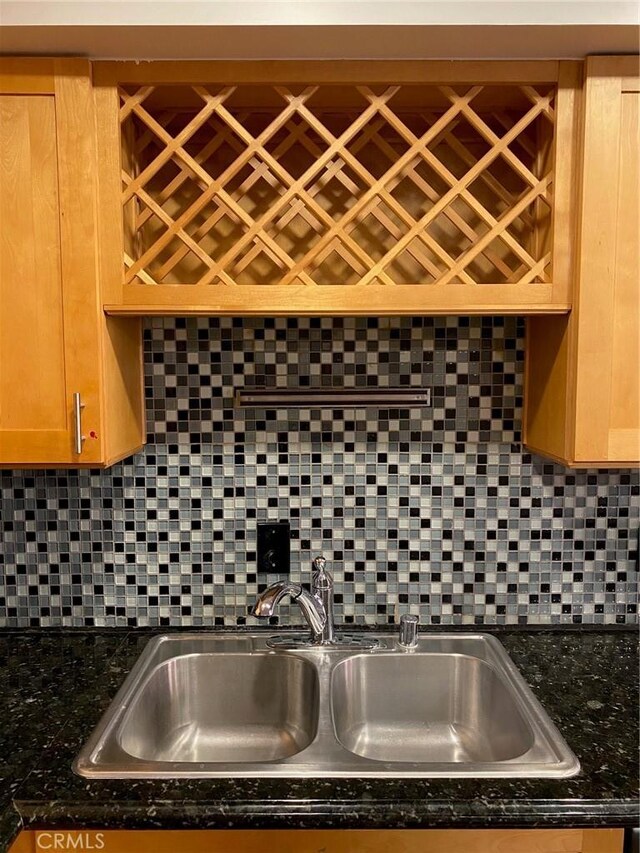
329	197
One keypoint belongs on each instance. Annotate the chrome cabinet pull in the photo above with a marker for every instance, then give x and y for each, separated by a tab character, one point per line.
78	406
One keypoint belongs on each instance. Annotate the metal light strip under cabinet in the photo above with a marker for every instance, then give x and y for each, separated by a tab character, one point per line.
283	398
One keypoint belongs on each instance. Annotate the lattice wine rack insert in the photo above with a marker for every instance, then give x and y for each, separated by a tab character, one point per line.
337	185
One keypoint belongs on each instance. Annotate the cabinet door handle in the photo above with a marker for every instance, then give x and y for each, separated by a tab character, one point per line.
78	406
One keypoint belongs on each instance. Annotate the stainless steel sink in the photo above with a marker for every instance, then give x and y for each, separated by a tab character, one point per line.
388	708
266	711
224	705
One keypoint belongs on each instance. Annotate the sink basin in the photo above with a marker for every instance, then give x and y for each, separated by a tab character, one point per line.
266	711
429	708
226	705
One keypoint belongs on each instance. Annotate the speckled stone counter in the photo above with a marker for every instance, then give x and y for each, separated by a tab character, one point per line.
55	686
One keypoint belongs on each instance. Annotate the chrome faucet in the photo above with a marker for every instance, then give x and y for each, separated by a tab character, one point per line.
316	607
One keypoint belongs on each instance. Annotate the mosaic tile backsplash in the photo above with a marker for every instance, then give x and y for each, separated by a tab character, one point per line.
435	511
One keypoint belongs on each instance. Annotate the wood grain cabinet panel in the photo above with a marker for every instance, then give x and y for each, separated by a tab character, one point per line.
31	307
54	338
583	376
326	841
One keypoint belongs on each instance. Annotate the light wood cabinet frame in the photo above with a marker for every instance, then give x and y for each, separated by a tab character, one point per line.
534	271
582	375
56	339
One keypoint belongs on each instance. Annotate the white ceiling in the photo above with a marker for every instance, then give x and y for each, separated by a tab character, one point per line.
281	29
316	12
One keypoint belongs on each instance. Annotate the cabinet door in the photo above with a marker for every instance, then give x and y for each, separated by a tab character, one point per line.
55	342
48	350
582	387
608	341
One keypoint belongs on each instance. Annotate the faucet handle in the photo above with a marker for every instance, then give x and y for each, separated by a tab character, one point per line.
322	579
319	563
408	631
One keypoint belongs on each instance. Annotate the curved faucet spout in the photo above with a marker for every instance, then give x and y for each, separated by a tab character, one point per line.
273	595
311	607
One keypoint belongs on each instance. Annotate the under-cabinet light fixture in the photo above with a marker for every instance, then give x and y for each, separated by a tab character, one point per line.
305	398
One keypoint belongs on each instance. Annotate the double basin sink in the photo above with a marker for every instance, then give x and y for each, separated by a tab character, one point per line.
226	705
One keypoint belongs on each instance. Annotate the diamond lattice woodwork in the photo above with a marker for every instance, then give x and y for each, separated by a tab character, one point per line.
338	196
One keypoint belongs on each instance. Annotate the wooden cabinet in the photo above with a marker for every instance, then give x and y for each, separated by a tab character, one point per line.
583	378
329	841
55	341
315	188
338	187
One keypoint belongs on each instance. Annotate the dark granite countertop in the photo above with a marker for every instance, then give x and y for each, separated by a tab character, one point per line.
56	684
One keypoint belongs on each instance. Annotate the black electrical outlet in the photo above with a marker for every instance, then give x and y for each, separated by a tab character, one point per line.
274	548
